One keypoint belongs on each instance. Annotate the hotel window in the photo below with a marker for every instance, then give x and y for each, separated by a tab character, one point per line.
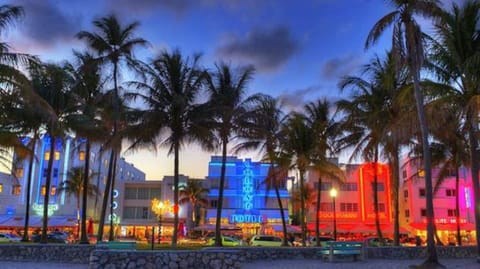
55	172
129	212
19	172
81	155
404	174
381	207
423	212
16	190
420	173
47	155
326	186
53	190
131	193
450	192
104	180
421	192
213	203
407	213
349	187
105	163
328	207
380	186
349	207
43	190
405	194
451	212
142	194
57	155
1	187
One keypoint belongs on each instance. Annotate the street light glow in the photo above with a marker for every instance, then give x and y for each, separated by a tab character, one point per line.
333	193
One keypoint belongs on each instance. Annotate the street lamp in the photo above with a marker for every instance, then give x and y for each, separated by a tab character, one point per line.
159	208
333	194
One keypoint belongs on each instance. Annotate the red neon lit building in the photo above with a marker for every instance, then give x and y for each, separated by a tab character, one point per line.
354	203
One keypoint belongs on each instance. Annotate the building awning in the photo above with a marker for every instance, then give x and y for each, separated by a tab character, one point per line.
290	228
36	221
444	226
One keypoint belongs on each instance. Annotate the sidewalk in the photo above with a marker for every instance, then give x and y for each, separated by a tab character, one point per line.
369	264
40	265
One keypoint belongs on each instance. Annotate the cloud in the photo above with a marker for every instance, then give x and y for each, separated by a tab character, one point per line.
338	67
294	100
149	6
45	24
266	49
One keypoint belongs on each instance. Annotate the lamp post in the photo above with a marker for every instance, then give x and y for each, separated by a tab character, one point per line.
333	194
159	208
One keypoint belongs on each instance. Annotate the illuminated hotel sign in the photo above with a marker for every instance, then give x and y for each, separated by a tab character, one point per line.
247	187
38	209
341	215
241	218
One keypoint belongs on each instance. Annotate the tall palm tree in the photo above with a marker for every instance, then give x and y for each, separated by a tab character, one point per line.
173	114
300	147
455	62
408	46
113	45
264	119
84	117
74	186
194	194
52	83
227	89
321	121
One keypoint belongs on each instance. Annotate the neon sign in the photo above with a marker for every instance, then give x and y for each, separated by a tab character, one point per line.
38	209
247	187
468	203
241	218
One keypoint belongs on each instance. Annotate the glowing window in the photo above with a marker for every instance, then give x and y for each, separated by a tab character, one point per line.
53	190
57	155
19	172
420	173
81	155
47	156
16	190
43	190
1	187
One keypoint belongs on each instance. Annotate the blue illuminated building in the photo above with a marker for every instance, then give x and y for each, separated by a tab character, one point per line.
248	203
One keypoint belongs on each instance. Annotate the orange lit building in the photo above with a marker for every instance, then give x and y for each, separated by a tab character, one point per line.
354	204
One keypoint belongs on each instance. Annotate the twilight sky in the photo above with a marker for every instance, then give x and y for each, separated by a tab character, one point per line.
299	48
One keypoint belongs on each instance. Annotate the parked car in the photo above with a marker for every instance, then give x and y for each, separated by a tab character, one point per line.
51	238
227	241
265	241
376	242
323	241
5	237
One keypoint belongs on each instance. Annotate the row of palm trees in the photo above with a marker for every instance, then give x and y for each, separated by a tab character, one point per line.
377	120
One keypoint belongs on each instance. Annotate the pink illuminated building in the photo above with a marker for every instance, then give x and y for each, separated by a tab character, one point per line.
413	206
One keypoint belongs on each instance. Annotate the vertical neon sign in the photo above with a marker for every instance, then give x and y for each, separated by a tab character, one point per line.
468	202
247	188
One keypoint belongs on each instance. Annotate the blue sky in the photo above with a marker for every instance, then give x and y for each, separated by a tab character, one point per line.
300	49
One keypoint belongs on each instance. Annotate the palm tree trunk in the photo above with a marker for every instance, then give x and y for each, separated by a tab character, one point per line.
302	207
29	186
317	217
78	195
106	192
218	239
457	204
375	196
47	188
432	256
100	155
472	136
86	177
280	206
111	236
395	192
176	181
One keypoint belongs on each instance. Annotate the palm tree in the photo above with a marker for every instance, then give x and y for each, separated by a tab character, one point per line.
52	83
408	46
113	44
84	117
263	131
172	86
322	123
300	147
227	90
74	186
194	194
455	59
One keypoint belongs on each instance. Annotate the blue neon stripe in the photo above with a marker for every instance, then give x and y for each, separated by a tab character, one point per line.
65	167
40	172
